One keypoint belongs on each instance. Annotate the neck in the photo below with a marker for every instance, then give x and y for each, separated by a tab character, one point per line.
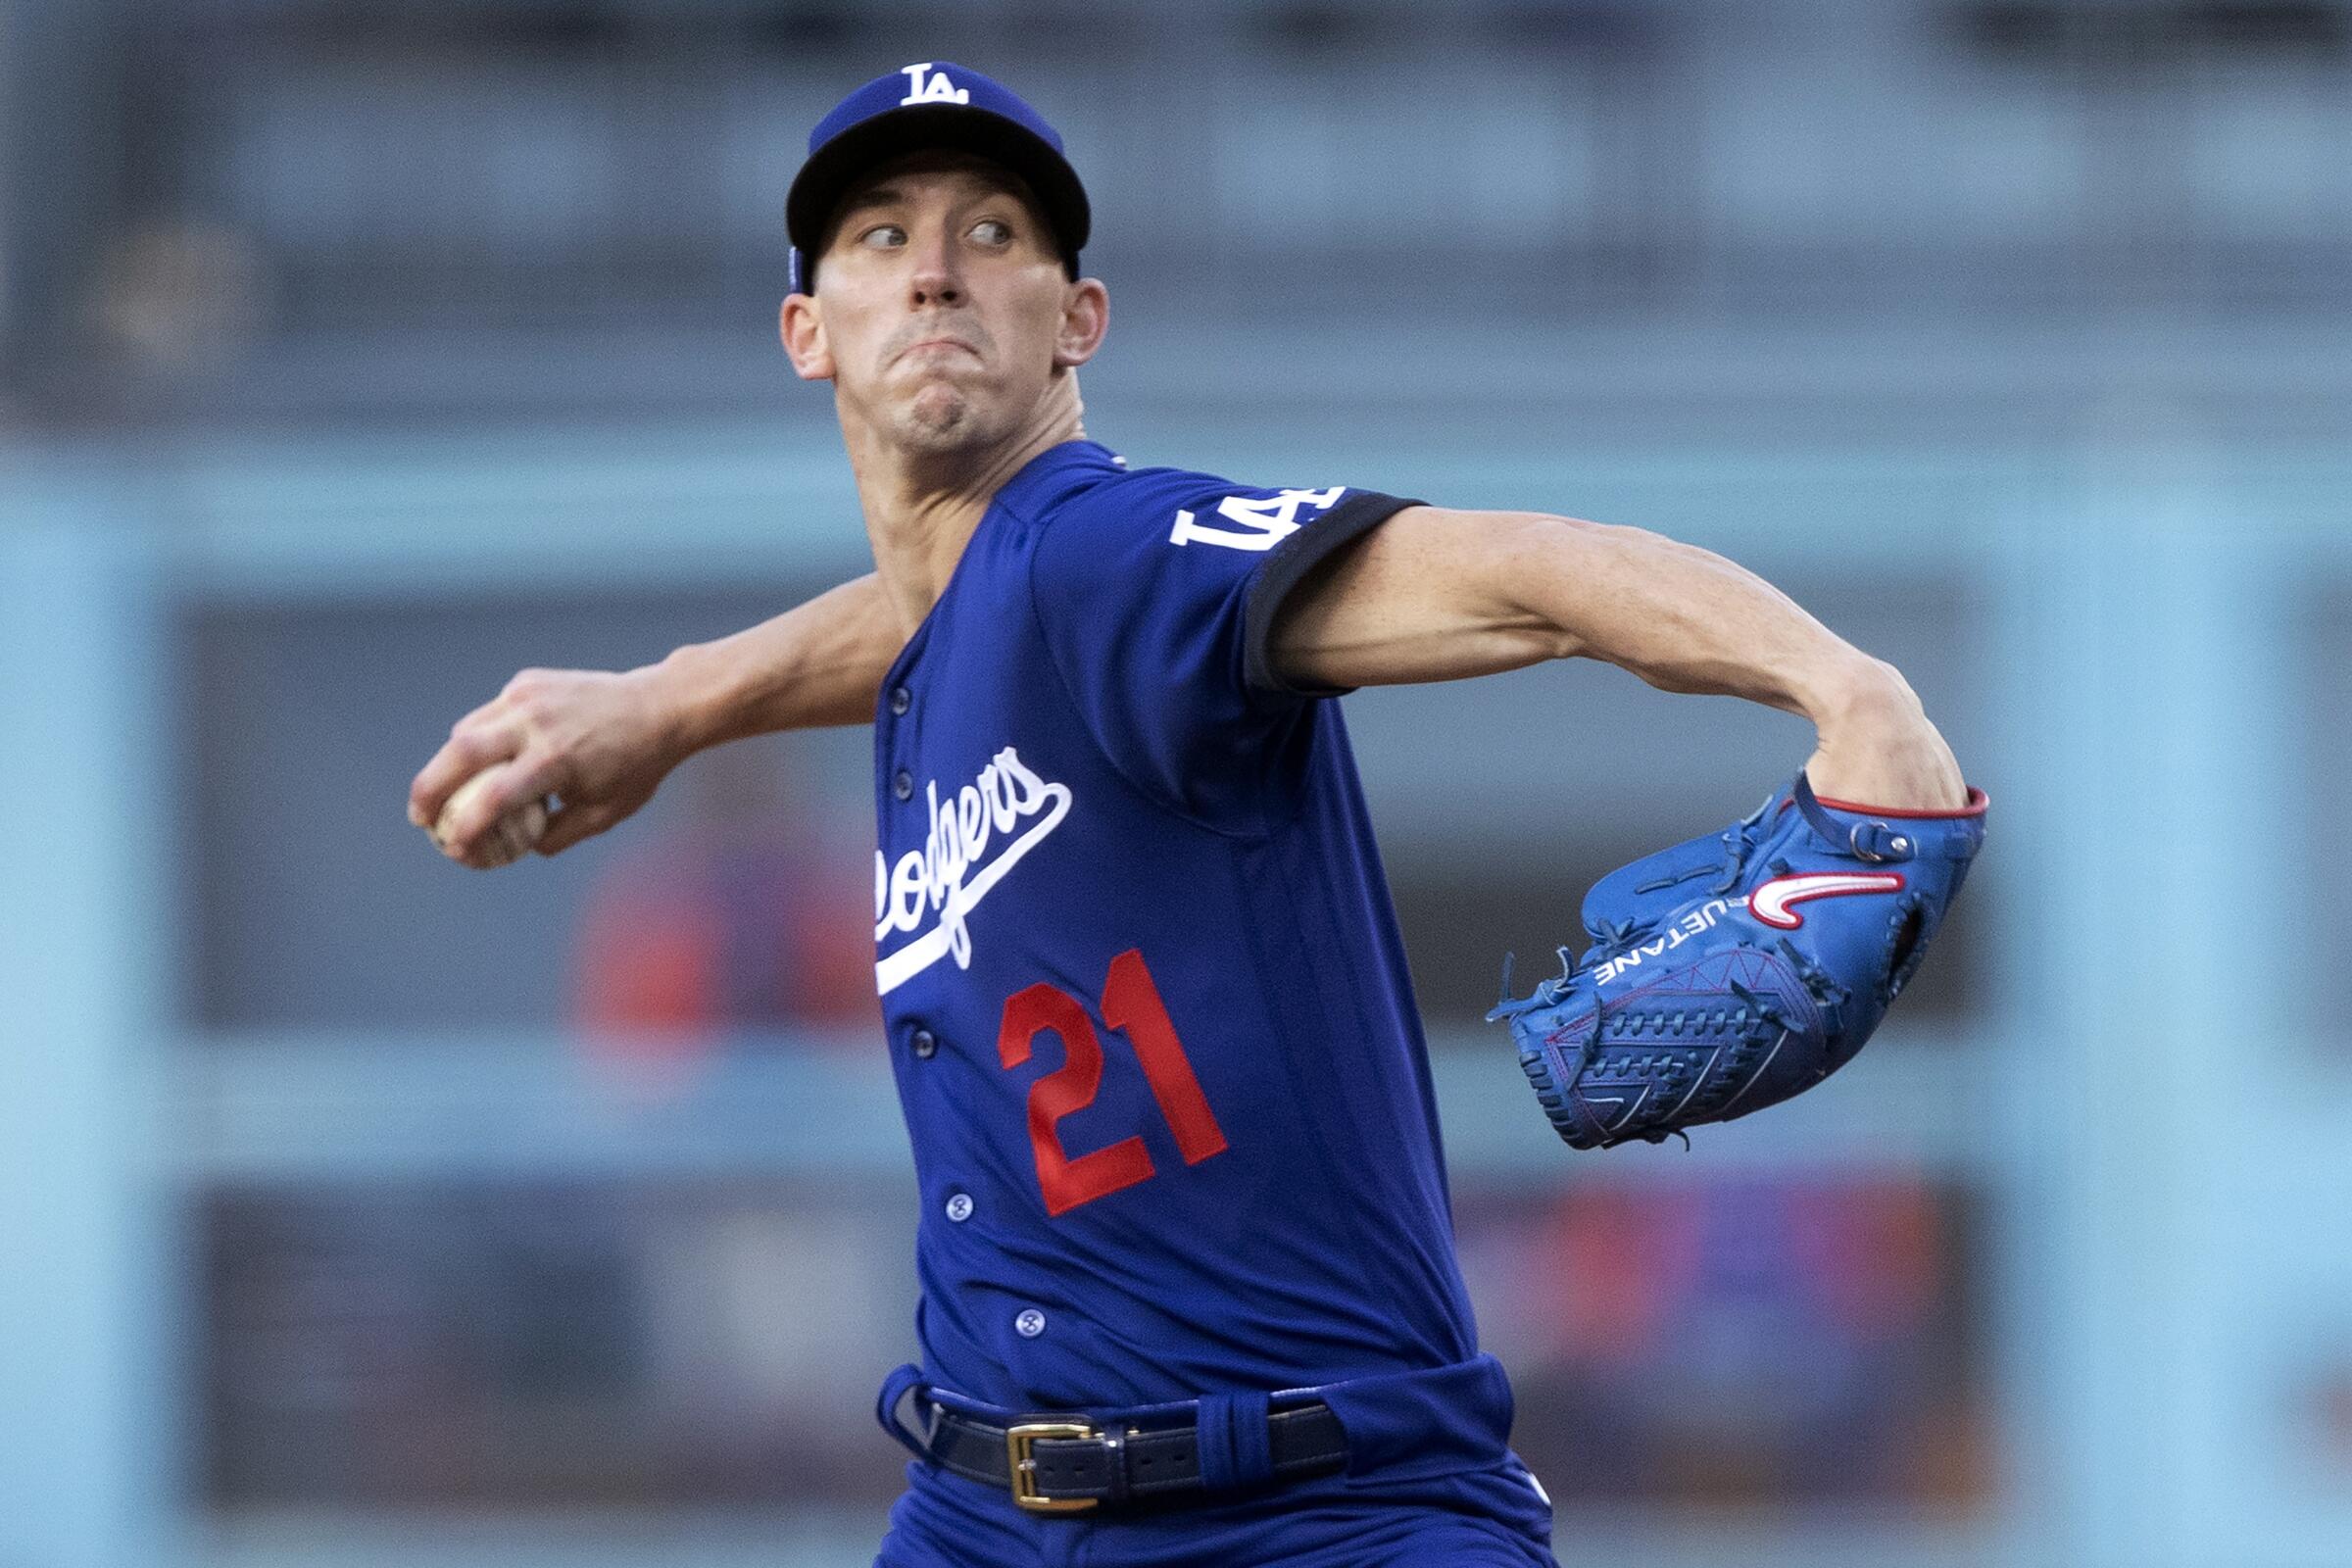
922	508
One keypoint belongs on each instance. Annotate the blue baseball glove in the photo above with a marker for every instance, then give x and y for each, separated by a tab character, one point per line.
1741	968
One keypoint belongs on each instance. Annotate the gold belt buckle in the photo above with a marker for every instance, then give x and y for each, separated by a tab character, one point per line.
1019	1440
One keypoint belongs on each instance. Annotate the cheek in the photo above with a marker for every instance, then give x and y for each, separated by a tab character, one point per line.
1035	331
854	343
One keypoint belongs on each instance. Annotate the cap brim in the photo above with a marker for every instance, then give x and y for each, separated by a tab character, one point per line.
833	169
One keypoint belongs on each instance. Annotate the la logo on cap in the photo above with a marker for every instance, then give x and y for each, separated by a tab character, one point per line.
935	90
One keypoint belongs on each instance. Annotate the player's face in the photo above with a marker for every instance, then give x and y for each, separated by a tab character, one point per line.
942	312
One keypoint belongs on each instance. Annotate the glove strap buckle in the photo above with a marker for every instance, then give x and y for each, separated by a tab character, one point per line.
1876	841
1872	841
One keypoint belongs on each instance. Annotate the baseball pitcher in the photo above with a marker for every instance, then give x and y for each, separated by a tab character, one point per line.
1188	1291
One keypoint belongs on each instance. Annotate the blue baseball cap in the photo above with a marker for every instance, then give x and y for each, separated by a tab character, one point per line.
932	104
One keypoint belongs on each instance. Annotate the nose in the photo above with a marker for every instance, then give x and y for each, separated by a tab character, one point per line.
935	280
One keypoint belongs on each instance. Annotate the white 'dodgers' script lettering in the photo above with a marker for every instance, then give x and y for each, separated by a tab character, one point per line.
944	877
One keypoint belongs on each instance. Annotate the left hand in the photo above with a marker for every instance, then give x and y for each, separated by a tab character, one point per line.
1876	747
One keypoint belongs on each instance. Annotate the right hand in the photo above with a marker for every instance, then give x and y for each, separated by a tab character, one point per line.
601	740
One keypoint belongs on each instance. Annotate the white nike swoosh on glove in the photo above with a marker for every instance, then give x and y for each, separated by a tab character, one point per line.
1770	903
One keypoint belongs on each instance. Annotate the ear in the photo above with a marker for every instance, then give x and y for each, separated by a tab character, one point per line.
1084	318
801	327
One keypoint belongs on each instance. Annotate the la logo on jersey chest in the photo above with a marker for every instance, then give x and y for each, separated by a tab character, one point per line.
934	88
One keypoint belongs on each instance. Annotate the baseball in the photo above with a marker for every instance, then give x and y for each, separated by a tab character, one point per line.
513	837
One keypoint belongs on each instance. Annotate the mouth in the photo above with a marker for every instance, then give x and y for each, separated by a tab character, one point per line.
912	349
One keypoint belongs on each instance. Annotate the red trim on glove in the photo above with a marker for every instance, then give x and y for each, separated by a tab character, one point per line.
1977	802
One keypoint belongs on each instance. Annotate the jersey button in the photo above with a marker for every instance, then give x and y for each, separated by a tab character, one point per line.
901	700
904	785
1030	1324
924	1042
960	1207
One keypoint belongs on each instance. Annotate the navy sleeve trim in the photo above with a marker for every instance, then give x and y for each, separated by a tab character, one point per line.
1286	565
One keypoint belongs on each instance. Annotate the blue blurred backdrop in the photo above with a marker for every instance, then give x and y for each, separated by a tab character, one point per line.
360	1211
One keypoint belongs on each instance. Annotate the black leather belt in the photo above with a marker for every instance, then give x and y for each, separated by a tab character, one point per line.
1064	1464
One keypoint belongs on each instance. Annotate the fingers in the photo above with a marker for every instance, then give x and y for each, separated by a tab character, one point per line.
475	743
493	794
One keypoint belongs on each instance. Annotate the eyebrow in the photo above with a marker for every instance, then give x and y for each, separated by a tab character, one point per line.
888	194
872	196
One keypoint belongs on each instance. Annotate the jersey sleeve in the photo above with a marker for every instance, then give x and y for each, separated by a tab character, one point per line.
1157	600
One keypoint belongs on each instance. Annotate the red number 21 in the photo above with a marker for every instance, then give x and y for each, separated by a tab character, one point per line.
1130	1004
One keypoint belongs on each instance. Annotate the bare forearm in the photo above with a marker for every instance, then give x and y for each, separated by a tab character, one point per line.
603	741
1440	595
1686	620
818	663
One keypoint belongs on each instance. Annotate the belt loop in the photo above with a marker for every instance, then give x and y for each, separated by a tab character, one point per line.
1115	1455
1235	1450
903	1413
1252	1441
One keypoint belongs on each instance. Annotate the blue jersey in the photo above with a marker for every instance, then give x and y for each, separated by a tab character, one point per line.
1147	1004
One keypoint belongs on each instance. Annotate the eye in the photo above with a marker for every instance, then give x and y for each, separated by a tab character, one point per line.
992	231
883	236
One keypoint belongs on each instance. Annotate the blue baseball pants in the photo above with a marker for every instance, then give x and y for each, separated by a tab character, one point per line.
1496	1517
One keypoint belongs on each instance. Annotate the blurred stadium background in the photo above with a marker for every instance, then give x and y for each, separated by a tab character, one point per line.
360	1212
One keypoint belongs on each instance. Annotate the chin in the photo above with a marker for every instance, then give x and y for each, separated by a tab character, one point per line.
942	420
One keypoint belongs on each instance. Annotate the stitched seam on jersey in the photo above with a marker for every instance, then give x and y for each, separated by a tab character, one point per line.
1451	1289
1338	1173
1274	581
1086	723
1448	1288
